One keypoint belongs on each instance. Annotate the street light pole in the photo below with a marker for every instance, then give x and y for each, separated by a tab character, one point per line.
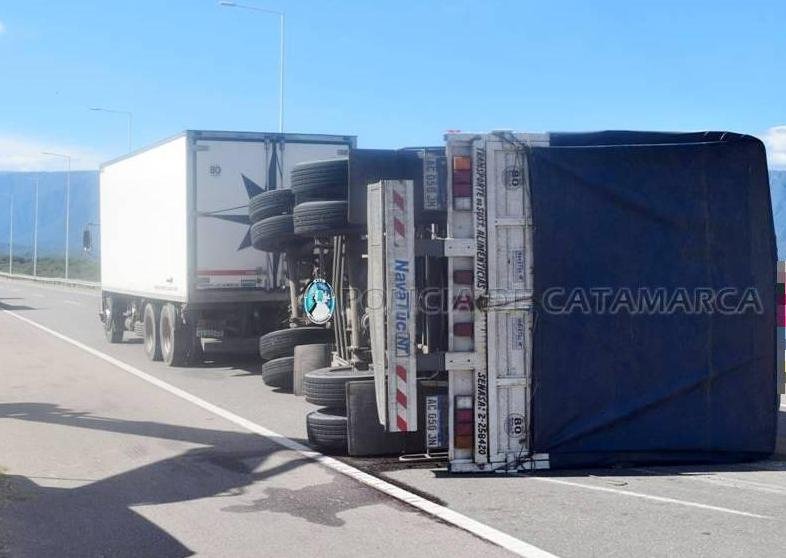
11	239
35	230
228	4
128	114
68	203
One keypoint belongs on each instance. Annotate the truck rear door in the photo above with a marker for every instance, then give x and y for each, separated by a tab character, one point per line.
490	300
227	173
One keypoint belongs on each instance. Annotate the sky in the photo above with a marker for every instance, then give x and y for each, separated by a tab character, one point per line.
392	72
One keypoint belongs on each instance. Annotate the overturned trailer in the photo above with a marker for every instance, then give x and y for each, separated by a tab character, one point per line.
610	298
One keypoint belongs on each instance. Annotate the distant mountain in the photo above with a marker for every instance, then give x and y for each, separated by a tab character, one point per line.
84	210
51	211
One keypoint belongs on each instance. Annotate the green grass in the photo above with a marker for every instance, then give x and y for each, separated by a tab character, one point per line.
78	268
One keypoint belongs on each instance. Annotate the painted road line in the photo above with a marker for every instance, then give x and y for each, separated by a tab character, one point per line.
442	513
721	480
650	497
73	302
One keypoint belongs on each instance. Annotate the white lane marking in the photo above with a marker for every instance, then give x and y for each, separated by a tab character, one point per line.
447	515
38	295
720	480
72	302
650	497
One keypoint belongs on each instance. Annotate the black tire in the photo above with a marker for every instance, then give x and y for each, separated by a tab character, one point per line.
278	372
175	338
282	343
268	204
322	218
308	358
327	387
273	234
151	318
321	180
327	429
195	354
114	322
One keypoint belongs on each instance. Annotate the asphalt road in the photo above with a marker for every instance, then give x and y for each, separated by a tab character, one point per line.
97	461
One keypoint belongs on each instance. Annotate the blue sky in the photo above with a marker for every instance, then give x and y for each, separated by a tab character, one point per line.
394	73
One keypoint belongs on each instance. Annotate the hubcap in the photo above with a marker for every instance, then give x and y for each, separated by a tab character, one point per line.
166	335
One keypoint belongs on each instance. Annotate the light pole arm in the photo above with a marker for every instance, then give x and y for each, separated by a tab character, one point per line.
229	4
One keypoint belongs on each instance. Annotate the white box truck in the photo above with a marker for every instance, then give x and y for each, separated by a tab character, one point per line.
177	262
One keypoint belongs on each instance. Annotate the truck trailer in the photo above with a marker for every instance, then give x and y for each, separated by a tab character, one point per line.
577	299
177	260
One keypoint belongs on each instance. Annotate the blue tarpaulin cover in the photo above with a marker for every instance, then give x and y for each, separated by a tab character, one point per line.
639	212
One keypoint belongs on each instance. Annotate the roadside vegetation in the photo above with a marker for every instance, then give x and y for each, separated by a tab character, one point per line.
78	268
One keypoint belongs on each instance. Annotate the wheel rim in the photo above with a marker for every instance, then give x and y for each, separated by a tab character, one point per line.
166	334
108	315
150	333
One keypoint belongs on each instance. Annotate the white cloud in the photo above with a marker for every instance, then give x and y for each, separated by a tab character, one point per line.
2	28
25	154
775	141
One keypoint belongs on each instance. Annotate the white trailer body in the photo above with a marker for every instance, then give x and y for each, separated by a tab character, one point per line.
174	217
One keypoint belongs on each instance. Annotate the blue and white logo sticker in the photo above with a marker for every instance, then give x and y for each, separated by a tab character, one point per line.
319	301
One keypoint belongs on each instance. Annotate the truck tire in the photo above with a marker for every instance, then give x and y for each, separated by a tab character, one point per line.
282	343
327	429
273	233
321	180
268	204
113	320
308	358
278	372
327	387
322	218
174	336
151	317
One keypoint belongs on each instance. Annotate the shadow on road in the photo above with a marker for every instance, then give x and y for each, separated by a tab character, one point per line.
96	519
13	307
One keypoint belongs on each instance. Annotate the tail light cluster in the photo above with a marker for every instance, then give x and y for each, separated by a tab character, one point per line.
463	422
462	183
463	326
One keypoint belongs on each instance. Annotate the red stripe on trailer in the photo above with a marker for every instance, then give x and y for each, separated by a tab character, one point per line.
401	423
226	272
401	372
398	224
401	398
399	200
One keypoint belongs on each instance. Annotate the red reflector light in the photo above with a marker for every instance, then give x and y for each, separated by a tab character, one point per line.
462	442
464	429
464	329
465	416
462	190
461	177
462	163
463	277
